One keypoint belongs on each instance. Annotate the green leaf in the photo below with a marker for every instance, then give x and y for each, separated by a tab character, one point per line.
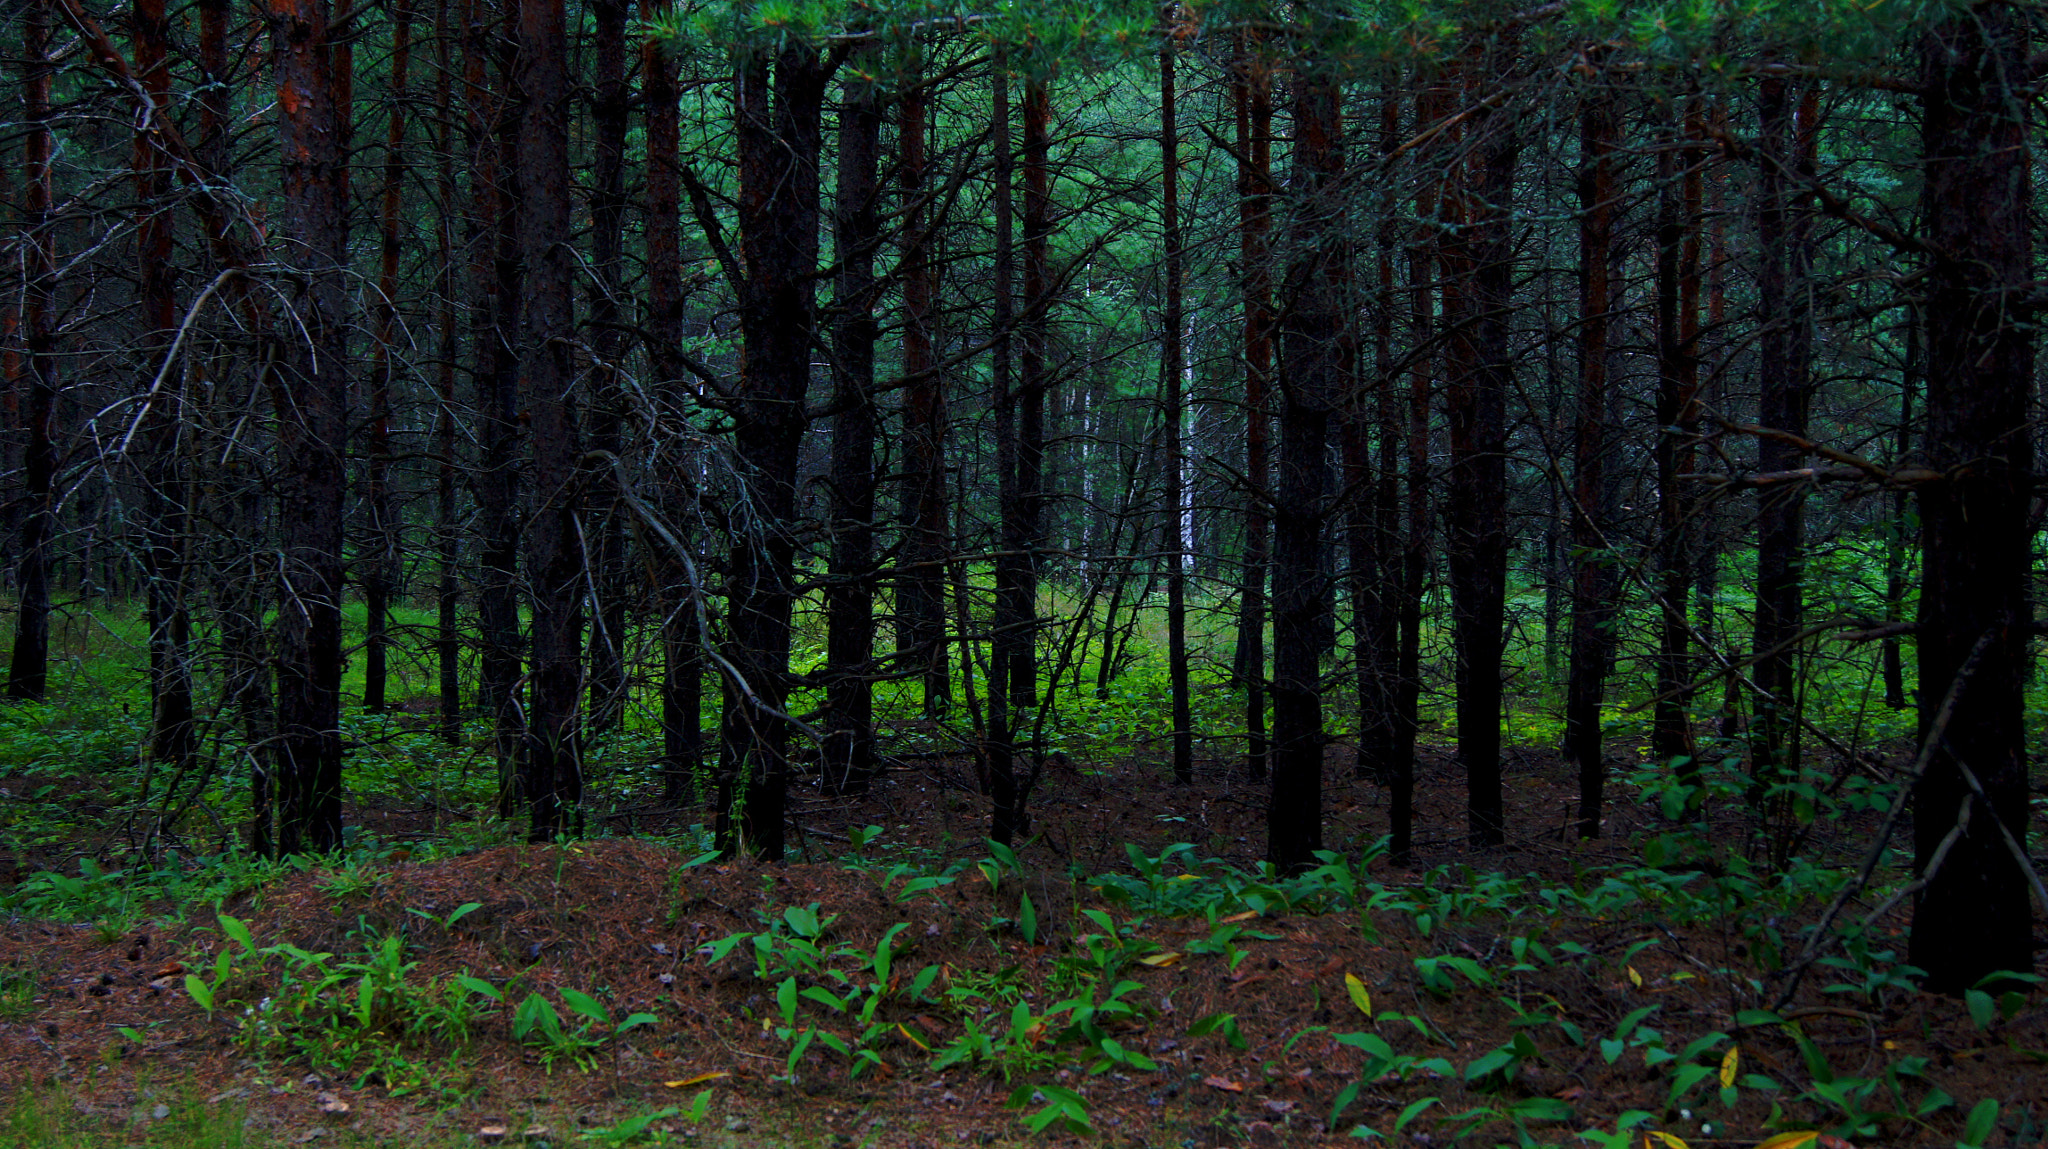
234	928
200	991
1983	1119
1983	1011
586	1005
1027	920
480	987
634	1021
1413	1111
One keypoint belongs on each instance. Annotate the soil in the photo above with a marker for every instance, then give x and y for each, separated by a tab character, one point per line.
621	918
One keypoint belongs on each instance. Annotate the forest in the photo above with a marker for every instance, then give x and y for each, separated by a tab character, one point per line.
788	572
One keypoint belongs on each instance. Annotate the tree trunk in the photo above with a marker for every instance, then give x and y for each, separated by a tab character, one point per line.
28	671
998	752
779	146
1172	367
380	564
1252	95
1315	350
682	642
1475	515
849	752
310	397
1594	570
1783	240
447	536
921	590
555	562
1974	916
1677	428
493	124
609	111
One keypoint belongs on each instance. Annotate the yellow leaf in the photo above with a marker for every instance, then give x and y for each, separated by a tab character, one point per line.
1684	975
1791	1140
1729	1061
1669	1140
700	1079
1245	916
1635	978
1164	959
1359	997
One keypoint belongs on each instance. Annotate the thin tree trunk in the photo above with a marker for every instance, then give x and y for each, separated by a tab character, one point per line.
849	751
682	679
28	672
609	111
999	751
447	536
921	590
1171	365
380	565
1783	240
1594	576
1677	428
1253	98
1974	917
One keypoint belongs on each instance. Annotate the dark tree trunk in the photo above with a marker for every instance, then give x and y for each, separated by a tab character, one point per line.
493	123
310	398
849	752
779	145
609	110
28	672
380	563
1677	428
1315	352
1253	97
1171	366
998	753
447	531
555	565
1375	530
682	644
1784	251
1475	513
921	590
1595	580
1974	917
166	522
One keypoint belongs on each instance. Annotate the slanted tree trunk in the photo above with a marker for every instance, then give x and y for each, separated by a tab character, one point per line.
555	561
28	672
1974	917
310	399
1595	581
779	105
1315	353
849	752
1171	366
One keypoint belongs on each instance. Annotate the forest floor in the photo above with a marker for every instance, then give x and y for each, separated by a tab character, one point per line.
1580	999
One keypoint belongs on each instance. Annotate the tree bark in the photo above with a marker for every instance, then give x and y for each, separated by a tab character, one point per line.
779	145
849	752
28	671
1475	514
920	591
1315	352
310	397
1171	366
380	564
555	560
1252	96
610	108
1974	916
1595	584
